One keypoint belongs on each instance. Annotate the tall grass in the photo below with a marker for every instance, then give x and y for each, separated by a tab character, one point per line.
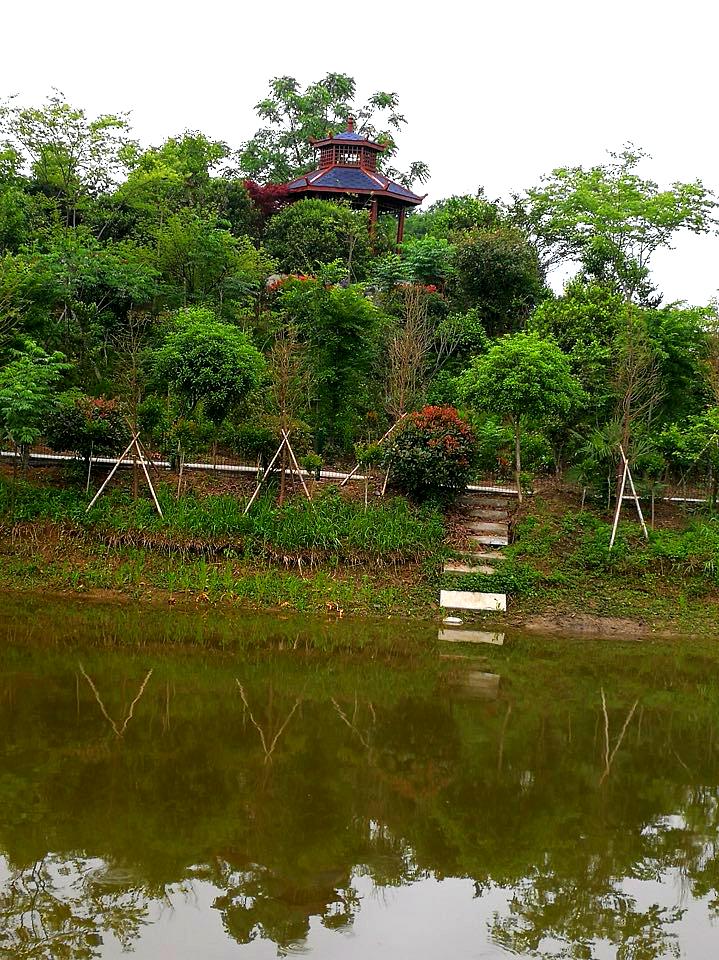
330	527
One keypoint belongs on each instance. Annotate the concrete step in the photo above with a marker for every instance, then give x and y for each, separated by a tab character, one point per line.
489	540
487	526
468	568
478	500
481	555
486	513
471	600
458	635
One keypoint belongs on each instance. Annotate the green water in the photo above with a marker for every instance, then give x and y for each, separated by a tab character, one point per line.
350	791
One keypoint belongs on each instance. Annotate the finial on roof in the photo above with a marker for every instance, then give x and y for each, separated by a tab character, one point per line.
350	124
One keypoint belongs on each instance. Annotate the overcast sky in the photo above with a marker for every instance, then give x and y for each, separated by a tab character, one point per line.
495	94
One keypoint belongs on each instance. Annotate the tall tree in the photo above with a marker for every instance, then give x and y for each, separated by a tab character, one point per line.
293	116
521	378
610	220
72	159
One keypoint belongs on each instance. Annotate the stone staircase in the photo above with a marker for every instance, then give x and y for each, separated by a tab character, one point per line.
487	521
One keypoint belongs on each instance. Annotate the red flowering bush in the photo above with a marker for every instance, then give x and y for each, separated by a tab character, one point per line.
431	455
85	424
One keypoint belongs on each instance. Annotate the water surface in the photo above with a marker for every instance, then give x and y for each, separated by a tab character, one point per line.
350	790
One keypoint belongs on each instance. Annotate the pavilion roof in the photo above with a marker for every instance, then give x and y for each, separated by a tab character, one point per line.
353	180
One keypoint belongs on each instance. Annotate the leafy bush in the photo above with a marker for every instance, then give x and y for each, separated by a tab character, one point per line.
432	454
87	424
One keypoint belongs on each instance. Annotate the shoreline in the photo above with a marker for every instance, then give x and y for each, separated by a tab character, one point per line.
570	626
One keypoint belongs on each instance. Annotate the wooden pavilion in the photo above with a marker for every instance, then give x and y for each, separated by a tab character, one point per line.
348	170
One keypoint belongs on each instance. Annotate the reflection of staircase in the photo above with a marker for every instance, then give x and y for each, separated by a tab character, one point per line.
487	523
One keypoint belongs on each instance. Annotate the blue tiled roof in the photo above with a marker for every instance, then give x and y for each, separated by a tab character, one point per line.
398	189
352	178
348	135
348	178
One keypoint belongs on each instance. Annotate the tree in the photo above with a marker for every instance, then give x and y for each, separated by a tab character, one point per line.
310	233
453	215
282	149
72	159
27	385
429	260
162	180
209	362
340	328
521	377
201	262
499	273
610	220
415	348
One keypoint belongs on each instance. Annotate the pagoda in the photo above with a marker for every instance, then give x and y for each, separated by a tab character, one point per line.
347	170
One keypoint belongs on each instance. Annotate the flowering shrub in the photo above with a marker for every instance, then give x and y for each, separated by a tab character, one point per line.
431	455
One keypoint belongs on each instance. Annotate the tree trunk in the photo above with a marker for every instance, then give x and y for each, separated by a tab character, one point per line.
518	459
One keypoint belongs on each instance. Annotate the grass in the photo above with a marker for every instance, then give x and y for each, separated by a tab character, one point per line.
331	528
332	555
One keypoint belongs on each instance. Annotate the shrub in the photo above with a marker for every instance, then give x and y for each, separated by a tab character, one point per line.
87	424
431	455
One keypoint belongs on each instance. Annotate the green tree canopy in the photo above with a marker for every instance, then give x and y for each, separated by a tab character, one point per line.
340	327
498	272
610	220
209	362
311	233
521	377
72	159
27	385
294	116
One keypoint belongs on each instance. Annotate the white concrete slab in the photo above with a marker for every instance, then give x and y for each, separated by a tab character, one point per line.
471	600
493	514
457	635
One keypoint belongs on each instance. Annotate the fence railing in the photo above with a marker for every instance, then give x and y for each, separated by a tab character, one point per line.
688	490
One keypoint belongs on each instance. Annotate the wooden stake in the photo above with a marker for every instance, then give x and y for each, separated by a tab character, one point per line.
140	454
264	476
634	493
111	474
297	466
620	500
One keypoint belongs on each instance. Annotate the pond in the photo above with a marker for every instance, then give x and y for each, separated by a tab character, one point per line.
198	785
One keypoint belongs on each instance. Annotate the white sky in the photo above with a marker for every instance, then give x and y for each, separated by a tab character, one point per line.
495	93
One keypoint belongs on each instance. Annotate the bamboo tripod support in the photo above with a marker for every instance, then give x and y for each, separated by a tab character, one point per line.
294	469
626	475
135	442
381	440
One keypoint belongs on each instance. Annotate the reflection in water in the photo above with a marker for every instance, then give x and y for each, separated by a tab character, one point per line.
550	799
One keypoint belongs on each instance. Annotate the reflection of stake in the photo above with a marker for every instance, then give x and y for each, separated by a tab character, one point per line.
119	731
353	723
609	759
268	751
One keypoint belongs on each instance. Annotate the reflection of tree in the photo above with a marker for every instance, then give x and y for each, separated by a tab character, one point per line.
574	916
58	909
374	771
259	903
